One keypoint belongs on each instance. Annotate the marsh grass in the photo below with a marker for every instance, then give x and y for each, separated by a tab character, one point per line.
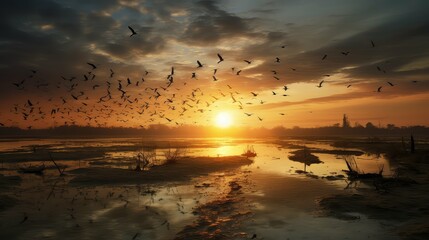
172	155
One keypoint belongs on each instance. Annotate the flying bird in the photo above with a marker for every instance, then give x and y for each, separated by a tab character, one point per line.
277	59
248	62
220	58
324	56
391	84
199	64
92	65
379	89
345	53
320	84
372	43
132	31
25	217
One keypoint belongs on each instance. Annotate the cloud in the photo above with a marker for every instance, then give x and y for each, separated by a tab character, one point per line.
58	38
210	25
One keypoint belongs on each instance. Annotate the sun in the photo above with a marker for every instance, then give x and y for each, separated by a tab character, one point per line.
223	120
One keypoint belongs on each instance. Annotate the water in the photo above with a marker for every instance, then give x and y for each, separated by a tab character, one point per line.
281	203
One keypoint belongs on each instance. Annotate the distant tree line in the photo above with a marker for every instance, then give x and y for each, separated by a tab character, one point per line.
160	130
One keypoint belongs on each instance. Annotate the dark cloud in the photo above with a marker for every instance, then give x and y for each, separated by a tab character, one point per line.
211	24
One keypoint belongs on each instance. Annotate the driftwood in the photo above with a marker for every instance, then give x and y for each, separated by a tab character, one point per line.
355	173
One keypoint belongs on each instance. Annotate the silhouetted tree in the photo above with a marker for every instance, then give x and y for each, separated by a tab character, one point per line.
370	125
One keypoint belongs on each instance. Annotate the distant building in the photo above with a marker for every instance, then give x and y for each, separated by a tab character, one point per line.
346	122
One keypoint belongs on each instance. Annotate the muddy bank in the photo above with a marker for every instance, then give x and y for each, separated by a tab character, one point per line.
219	219
401	200
182	170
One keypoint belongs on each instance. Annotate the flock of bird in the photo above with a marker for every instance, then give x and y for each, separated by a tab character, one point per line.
125	101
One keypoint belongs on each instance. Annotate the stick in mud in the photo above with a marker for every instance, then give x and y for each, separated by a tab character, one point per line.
59	170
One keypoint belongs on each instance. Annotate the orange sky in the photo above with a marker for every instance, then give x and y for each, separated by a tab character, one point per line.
364	48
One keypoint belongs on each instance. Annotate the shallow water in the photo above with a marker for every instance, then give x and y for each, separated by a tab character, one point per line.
282	203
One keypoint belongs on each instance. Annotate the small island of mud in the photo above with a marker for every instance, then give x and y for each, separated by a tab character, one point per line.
183	169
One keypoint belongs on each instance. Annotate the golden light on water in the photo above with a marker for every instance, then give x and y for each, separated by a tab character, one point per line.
223	120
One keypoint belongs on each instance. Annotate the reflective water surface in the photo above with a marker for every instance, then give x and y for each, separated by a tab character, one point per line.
267	198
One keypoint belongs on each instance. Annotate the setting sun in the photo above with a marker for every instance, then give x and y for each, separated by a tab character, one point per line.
223	120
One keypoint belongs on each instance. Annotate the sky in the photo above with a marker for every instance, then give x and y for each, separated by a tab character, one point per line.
372	57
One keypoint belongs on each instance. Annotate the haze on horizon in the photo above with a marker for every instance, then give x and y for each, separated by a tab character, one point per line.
372	57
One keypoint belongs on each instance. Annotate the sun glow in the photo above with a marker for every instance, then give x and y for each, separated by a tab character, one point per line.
223	120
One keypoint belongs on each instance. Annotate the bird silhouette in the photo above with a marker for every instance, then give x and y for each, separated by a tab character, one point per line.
391	84
132	31
199	64
345	53
324	57
277	59
372	43
320	84
220	58
24	219
379	89
247	61
92	65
